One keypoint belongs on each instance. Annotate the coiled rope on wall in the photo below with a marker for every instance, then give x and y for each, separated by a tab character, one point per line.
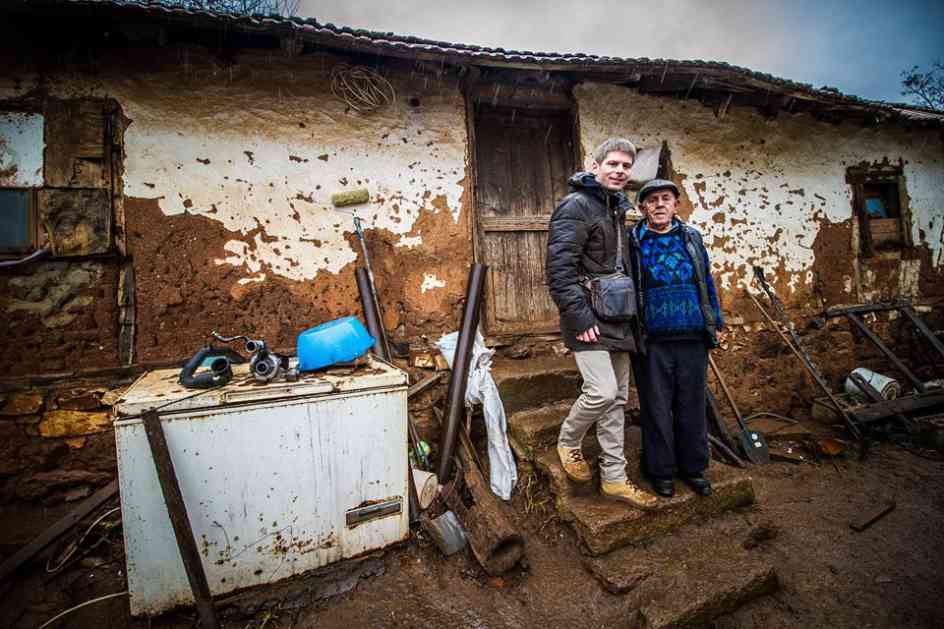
363	89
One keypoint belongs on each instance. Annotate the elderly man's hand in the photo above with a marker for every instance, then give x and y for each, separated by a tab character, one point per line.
590	335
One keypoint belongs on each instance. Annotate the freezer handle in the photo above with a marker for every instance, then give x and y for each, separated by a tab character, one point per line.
289	389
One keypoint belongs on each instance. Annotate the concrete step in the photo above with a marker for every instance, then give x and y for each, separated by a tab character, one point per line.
536	382
687	579
603	524
536	429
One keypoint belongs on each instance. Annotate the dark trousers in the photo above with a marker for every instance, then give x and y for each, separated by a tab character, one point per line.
670	379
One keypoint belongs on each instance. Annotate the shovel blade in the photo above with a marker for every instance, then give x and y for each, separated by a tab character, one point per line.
754	446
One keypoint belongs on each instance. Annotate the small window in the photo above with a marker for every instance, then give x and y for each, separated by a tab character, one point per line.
17	221
880	202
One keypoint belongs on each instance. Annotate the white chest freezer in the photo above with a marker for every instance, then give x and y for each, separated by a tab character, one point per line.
278	479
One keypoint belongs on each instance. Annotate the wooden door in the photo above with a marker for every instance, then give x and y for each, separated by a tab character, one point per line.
523	159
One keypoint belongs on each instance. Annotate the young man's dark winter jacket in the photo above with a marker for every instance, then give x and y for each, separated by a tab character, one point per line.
672	306
582	243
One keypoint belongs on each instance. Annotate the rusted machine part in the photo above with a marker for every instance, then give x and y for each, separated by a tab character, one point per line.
494	540
458	382
798	350
371	313
874	396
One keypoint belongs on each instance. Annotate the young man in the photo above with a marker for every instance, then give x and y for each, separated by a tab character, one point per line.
680	319
587	238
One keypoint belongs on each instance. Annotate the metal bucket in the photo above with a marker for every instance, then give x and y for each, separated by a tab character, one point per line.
887	387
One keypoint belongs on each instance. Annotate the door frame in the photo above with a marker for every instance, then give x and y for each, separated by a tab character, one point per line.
551	97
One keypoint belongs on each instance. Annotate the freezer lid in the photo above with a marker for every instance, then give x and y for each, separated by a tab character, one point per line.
160	388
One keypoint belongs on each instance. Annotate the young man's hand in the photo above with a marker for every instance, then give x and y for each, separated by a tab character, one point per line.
589	335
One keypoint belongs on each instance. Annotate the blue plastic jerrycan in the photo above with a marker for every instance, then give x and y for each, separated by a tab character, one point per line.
337	341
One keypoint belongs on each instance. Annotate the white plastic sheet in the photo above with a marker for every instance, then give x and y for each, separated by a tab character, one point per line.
483	390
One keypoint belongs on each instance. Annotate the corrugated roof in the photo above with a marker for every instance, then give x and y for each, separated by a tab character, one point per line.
403	45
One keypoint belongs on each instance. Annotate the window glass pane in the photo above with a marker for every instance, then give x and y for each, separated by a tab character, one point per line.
876	208
14	219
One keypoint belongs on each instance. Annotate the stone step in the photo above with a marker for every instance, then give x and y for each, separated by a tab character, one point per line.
536	382
687	579
536	429
603	524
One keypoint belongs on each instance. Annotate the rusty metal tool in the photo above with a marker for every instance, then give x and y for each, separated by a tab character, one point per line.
752	442
798	350
177	512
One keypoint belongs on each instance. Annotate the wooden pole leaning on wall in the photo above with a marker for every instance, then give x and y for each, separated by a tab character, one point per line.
177	511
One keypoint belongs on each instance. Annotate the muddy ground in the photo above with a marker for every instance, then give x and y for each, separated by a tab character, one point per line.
888	576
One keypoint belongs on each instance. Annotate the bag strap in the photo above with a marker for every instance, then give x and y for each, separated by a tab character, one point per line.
619	245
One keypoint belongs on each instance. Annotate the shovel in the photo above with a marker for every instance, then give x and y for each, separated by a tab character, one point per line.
752	442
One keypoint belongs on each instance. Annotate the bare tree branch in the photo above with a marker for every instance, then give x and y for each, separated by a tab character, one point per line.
925	88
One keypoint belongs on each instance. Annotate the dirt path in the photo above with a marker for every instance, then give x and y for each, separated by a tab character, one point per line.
888	576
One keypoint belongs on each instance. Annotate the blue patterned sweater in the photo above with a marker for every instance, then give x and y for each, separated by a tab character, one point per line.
671	291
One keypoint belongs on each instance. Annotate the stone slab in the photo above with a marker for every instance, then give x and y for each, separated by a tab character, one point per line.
536	382
537	429
604	525
692	577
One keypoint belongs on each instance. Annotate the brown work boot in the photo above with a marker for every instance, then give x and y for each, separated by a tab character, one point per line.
575	466
626	491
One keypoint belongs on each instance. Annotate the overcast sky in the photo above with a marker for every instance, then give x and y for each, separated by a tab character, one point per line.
860	47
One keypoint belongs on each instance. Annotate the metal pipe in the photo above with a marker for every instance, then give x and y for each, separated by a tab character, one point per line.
458	382
371	315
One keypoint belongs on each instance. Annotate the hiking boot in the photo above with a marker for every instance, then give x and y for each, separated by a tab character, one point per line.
575	466
626	491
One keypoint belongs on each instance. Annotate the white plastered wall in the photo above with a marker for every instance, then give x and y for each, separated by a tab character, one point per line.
760	188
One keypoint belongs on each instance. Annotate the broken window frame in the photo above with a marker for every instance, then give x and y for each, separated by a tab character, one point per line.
859	178
32	225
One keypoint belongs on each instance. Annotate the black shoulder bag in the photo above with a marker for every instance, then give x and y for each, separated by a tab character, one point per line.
613	296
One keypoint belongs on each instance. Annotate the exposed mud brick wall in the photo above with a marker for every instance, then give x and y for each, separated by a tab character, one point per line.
56	443
773	193
59	316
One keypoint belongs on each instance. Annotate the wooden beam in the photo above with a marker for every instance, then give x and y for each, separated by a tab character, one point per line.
515	223
889	354
57	530
177	512
890	408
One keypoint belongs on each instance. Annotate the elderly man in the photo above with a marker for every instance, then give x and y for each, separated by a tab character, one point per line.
680	319
587	240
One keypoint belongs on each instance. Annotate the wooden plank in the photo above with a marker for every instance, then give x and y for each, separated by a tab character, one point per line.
889	408
75	137
515	223
424	384
872	517
917	322
57	530
889	354
519	181
885	226
177	511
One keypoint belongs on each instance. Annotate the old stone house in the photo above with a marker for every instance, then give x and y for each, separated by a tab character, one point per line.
178	168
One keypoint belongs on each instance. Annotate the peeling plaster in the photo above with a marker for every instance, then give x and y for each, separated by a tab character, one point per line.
268	172
431	282
410	242
760	189
21	150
